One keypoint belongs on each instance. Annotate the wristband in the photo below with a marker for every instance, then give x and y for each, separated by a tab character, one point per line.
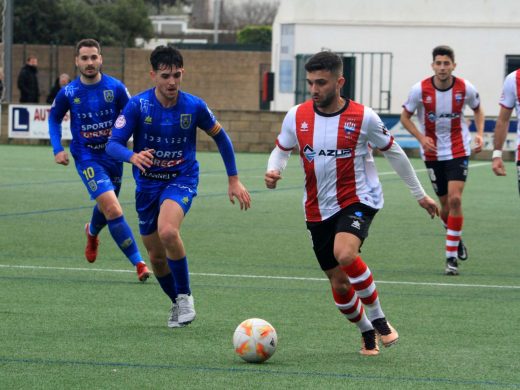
497	154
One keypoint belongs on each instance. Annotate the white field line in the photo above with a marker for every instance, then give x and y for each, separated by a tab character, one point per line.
241	276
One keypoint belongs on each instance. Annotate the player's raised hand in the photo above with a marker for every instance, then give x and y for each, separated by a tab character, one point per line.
143	159
271	178
62	158
237	190
429	205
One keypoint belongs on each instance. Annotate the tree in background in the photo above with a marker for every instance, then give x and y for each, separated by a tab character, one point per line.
237	15
258	35
112	22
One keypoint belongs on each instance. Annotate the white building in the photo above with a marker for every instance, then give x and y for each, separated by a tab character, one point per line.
389	44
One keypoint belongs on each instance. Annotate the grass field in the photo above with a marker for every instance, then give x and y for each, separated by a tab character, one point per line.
67	324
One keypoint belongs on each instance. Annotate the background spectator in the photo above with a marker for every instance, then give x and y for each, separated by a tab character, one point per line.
28	81
60	82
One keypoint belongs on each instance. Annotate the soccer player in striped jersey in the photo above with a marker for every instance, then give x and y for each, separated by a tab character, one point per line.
94	101
163	122
509	99
335	137
445	141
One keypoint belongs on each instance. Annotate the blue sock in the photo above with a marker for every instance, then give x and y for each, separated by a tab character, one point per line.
97	222
167	283
122	235
181	274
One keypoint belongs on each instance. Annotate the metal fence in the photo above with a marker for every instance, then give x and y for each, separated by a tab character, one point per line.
368	78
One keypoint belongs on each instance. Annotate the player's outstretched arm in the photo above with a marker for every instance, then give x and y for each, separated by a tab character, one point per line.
276	164
237	190
501	126
429	205
479	120
426	142
402	166
271	178
62	158
143	159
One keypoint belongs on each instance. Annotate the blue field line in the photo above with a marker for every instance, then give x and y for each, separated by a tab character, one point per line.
261	371
60	210
271	277
127	177
204	195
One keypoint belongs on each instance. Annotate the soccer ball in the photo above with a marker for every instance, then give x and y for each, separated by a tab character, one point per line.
255	340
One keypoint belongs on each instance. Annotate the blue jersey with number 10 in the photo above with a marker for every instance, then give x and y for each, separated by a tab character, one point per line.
171	132
93	111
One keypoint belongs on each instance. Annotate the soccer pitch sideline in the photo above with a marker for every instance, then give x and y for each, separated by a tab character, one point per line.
66	323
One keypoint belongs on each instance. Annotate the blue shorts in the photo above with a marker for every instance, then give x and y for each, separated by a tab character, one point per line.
148	204
100	176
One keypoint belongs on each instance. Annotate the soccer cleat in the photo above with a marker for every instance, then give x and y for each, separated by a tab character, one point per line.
186	308
92	245
142	271
451	266
387	334
173	320
369	343
462	252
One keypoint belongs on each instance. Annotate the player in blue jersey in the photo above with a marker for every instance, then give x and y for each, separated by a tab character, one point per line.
163	121
95	100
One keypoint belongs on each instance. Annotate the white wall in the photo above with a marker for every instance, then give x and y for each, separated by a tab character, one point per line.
481	36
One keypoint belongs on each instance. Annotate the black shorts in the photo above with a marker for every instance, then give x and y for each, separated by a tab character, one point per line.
354	219
441	172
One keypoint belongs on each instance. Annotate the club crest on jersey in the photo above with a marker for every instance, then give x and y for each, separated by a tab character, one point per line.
144	105
120	122
109	95
185	121
304	126
69	90
349	127
458	97
309	153
428	99
92	185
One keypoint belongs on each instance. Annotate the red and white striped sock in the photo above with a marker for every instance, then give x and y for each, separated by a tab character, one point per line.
453	234
350	305
361	279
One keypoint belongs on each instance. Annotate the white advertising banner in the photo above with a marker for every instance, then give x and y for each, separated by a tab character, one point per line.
31	121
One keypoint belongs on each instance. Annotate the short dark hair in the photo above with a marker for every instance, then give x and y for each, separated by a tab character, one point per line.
88	42
166	57
325	60
443	50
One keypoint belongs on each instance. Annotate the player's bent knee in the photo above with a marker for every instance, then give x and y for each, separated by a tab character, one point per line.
346	257
169	236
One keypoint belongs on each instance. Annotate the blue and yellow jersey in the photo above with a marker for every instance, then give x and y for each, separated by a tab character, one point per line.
93	112
171	132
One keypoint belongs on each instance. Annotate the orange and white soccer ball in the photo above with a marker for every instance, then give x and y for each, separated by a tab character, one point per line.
255	340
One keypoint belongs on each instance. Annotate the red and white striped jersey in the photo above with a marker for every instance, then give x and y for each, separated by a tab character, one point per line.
441	116
335	152
510	98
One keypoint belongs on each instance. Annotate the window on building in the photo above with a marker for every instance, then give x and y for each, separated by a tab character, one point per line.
368	78
512	63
